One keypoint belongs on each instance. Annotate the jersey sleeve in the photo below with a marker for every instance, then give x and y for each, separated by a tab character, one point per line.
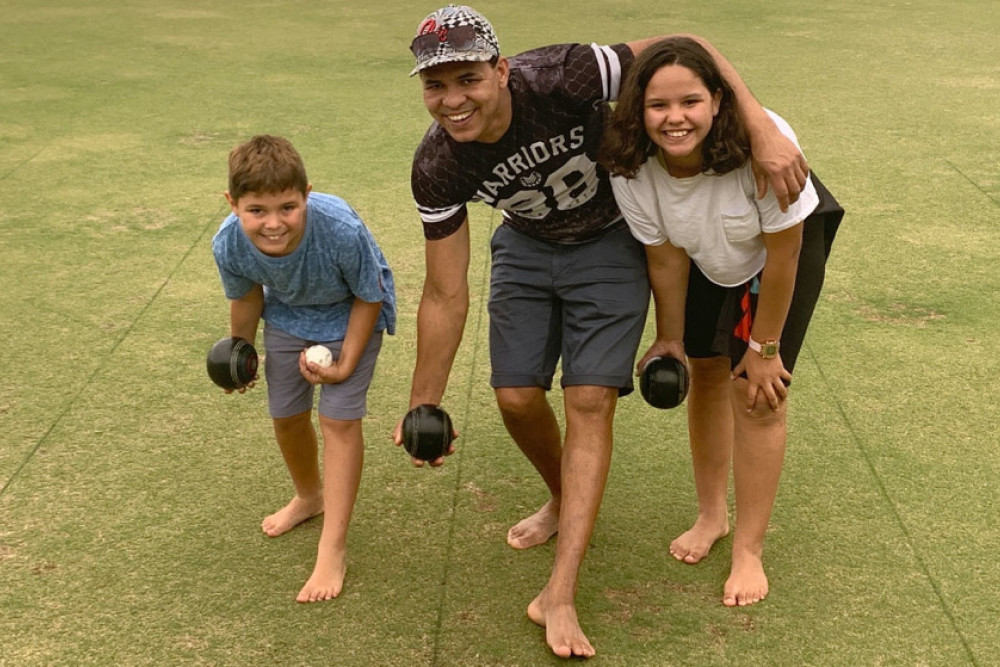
643	227
581	74
432	177
595	71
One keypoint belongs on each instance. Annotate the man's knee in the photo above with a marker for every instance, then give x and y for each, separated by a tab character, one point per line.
519	402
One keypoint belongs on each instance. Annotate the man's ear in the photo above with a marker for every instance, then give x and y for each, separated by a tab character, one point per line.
503	70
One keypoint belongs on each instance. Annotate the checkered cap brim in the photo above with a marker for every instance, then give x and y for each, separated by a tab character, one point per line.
486	46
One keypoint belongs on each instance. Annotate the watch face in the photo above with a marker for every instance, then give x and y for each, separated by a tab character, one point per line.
769	350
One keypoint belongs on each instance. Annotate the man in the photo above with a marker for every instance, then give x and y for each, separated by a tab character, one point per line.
568	281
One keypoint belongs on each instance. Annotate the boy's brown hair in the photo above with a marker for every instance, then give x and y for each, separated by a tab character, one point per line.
268	165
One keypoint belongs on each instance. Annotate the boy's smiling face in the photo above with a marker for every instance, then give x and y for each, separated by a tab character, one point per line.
274	222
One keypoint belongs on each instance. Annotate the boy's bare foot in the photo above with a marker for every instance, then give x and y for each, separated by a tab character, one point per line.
691	546
563	633
536	529
327	579
747	583
295	512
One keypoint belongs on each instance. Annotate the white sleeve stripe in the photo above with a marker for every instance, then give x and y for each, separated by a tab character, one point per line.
434	215
602	64
611	70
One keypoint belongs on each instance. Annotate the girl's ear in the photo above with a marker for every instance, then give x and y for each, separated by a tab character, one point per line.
716	102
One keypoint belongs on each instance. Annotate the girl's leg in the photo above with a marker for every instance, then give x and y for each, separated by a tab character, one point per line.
343	456
758	454
297	441
710	427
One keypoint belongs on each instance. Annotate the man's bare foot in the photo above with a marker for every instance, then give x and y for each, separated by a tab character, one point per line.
327	579
536	529
747	583
563	633
295	512
691	546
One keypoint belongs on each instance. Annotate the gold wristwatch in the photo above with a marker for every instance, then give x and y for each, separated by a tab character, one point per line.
767	350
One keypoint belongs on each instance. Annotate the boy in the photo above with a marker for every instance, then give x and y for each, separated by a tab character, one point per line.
309	267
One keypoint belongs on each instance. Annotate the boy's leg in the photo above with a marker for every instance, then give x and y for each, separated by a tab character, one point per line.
296	438
710	429
343	456
341	408
758	454
531	423
290	400
586	460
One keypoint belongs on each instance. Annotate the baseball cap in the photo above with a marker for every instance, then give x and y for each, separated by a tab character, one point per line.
455	33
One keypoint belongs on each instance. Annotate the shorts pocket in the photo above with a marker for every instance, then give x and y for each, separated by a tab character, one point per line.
741	223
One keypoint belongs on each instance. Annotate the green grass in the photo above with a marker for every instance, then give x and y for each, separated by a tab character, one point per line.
131	490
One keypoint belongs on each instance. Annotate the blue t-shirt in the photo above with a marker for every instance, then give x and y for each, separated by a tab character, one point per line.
309	292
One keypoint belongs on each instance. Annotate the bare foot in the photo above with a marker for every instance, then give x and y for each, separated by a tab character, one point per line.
327	579
536	529
562	629
295	512
691	546
747	583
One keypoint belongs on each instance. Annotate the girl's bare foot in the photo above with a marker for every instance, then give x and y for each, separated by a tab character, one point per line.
747	583
563	633
327	579
536	529
690	547
295	512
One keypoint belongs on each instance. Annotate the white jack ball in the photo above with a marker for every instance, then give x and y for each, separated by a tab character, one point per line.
319	355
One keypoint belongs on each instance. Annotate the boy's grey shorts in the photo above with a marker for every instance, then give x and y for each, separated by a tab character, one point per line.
288	393
585	303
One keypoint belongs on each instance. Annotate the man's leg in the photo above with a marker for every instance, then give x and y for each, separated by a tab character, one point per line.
532	424
585	464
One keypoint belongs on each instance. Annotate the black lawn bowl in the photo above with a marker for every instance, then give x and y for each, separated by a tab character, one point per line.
427	432
232	363
664	382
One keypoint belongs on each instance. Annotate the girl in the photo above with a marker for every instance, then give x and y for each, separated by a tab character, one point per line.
723	267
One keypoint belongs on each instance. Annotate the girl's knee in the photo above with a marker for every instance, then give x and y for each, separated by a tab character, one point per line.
761	414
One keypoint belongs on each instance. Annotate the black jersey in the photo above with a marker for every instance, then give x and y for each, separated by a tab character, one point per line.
543	173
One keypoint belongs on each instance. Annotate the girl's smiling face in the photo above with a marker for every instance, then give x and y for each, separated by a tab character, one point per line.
678	112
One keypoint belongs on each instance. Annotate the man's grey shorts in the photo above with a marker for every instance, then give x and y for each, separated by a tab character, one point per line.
289	394
585	303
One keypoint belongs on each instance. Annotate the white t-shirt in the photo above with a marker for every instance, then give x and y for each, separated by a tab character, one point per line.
717	220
